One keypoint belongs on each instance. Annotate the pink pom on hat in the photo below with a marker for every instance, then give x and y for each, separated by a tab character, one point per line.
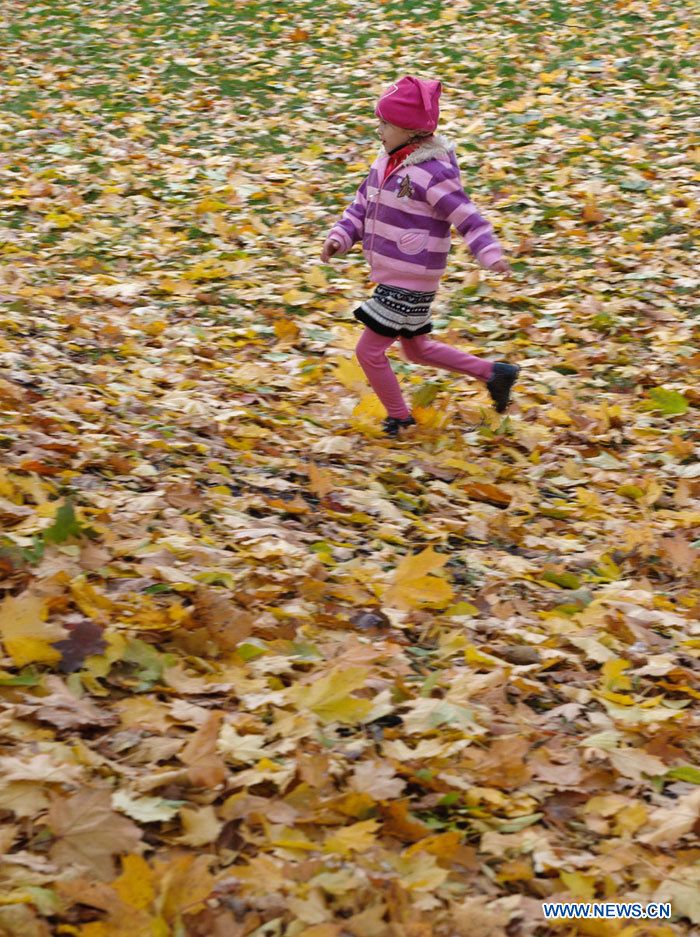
411	103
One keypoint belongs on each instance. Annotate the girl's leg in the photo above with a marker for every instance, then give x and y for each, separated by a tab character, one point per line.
370	353
422	350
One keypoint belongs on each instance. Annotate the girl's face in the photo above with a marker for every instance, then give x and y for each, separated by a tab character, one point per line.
391	135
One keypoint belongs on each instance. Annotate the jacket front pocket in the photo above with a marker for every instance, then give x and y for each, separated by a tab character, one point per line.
413	242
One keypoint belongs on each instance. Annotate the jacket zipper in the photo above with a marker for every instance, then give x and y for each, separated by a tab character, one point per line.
376	210
374	218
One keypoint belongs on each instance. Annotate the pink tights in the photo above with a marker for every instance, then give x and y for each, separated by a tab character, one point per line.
421	349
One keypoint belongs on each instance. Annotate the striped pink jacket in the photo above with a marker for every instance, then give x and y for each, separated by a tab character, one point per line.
404	223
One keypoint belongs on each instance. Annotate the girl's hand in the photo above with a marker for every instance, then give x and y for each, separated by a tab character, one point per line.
502	266
329	249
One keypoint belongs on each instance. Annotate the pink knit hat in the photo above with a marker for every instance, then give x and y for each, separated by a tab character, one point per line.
412	103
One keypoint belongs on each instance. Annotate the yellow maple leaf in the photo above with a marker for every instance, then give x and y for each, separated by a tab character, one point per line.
519	105
135	885
369	406
211	204
295	297
590	503
630	819
430	417
286	330
613	674
356	838
580	886
289	838
330	697
315	279
90	602
420	871
418	564
558	416
350	375
26	634
413	586
425	590
205	271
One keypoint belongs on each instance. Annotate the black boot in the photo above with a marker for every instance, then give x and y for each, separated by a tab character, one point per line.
392	425
504	376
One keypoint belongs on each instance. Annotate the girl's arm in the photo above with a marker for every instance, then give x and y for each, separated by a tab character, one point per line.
450	202
351	226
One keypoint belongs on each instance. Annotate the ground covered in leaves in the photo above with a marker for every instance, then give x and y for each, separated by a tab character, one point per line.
265	671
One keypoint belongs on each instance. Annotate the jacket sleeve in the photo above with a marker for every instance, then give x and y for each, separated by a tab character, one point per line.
351	226
450	202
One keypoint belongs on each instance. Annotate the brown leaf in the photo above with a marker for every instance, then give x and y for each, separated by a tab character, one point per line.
526	245
503	765
11	514
88	833
184	495
93	556
437	471
670	823
682	556
320	480
19	920
480	917
85	638
65	711
205	767
518	654
225	623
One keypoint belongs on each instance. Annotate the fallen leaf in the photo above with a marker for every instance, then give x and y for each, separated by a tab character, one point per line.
201	826
88	833
25	632
65	711
85	639
224	624
205	768
669	824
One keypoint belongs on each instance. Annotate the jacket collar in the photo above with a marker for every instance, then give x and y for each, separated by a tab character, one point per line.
437	148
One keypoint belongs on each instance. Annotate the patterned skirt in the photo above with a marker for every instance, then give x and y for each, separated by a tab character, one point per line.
394	311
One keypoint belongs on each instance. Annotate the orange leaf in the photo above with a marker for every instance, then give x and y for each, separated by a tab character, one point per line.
591	213
41	468
296	506
286	330
491	494
398	823
442	845
320	481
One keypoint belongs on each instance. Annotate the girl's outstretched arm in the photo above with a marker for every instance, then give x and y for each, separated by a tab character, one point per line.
351	226
451	203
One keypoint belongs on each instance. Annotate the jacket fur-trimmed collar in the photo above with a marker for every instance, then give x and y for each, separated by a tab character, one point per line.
436	148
